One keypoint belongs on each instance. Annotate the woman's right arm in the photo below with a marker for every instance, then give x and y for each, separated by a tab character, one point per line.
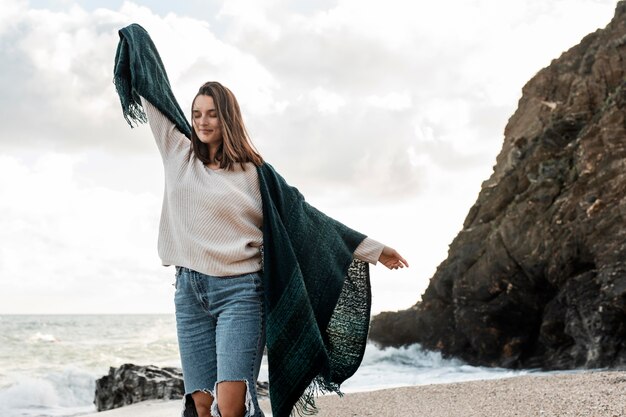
372	251
167	136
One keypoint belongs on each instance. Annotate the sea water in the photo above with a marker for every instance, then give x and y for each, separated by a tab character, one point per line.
49	363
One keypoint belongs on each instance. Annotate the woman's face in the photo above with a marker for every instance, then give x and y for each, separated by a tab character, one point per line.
205	121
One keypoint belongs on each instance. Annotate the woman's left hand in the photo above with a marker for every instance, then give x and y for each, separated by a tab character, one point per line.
392	259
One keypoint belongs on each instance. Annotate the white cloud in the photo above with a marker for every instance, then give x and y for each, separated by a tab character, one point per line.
327	101
61	238
11	11
391	101
254	16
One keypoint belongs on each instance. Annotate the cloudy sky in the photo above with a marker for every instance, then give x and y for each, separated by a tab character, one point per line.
387	115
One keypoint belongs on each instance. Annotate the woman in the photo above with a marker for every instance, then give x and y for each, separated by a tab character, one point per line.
214	223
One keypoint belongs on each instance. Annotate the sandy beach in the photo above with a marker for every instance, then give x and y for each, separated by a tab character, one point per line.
586	394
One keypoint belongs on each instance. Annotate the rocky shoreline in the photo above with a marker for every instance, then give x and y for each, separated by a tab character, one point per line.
598	394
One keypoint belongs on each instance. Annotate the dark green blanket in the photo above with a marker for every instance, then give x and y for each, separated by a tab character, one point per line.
317	297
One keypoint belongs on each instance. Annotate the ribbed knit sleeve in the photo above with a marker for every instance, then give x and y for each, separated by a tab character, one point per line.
168	138
369	250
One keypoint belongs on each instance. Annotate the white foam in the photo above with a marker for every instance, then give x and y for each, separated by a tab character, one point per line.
67	392
412	365
43	337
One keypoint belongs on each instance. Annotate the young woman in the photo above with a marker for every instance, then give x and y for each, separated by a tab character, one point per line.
253	259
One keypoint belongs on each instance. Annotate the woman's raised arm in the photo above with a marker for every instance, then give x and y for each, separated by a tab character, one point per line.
167	136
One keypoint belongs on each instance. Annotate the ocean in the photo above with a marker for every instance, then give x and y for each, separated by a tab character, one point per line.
49	363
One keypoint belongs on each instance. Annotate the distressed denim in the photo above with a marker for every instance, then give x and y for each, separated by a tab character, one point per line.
220	323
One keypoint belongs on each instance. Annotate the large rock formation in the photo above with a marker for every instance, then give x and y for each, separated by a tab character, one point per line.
537	275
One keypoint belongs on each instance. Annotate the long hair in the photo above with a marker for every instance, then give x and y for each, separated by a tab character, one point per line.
236	146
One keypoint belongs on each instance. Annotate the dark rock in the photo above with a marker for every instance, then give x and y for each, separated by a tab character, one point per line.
130	384
537	275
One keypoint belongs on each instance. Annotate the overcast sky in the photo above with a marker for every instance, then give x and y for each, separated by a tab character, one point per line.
387	115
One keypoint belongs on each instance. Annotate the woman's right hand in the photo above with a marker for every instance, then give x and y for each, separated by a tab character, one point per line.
392	259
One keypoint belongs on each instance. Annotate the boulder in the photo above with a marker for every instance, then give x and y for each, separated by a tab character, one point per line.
537	275
130	384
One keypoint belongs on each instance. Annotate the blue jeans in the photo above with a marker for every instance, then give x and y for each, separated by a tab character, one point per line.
221	332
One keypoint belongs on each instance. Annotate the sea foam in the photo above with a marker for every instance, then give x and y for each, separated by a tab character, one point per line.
63	393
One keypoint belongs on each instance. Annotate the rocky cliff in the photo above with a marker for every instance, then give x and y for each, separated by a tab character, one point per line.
537	275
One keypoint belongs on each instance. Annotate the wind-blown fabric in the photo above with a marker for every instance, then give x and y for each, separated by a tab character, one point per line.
317	296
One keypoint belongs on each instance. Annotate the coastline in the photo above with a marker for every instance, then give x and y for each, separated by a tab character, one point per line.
588	393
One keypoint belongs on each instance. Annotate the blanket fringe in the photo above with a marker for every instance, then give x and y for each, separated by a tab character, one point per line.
305	406
131	108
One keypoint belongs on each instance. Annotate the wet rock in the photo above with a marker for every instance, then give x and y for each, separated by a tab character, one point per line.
537	275
130	384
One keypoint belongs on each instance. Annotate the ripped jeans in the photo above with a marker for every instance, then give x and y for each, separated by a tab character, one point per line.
221	333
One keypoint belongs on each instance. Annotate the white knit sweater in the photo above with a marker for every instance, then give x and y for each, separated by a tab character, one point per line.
211	219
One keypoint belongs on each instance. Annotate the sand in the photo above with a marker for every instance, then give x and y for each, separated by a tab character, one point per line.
585	394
